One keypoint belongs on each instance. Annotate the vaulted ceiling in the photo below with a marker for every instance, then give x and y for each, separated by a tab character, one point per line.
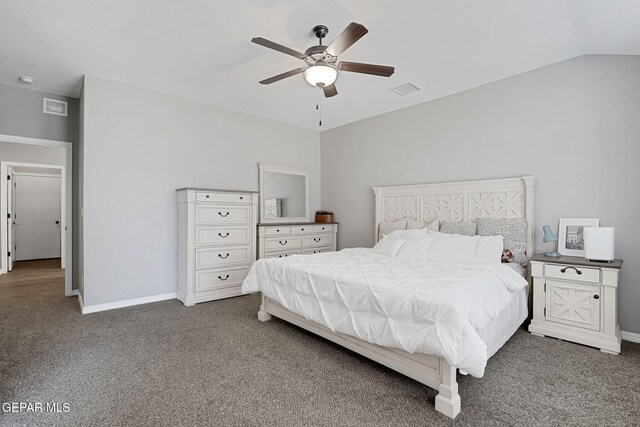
201	50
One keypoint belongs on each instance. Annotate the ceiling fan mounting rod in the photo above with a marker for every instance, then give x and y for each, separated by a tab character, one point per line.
321	32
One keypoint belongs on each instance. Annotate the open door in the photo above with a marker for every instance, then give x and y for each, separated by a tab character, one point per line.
11	216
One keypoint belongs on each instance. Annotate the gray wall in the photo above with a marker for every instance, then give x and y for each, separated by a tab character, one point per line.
575	125
139	146
21	114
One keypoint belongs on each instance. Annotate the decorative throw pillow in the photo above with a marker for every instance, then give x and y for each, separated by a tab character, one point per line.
514	232
507	256
389	227
433	225
464	228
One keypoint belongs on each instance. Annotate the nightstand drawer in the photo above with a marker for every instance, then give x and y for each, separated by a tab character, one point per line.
573	273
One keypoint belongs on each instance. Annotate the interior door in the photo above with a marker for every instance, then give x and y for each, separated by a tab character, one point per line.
11	211
37	220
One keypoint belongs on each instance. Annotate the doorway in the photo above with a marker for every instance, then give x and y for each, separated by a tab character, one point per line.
35	207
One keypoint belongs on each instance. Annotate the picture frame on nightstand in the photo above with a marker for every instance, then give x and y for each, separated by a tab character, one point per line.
571	237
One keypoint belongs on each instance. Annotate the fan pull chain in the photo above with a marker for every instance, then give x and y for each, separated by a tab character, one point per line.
318	106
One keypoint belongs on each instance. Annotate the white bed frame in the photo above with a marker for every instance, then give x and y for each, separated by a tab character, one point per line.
450	201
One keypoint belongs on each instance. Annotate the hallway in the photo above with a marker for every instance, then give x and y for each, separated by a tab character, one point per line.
31	280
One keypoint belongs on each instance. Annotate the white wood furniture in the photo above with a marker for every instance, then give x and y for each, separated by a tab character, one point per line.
500	198
282	240
216	242
576	300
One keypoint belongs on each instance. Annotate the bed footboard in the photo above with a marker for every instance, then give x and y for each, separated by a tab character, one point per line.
427	369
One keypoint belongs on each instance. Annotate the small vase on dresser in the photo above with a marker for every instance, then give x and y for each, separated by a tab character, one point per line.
576	300
216	242
285	239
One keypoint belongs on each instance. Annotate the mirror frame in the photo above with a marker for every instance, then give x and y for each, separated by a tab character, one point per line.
268	167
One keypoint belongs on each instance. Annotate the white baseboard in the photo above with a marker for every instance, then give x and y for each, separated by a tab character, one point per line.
86	309
630	336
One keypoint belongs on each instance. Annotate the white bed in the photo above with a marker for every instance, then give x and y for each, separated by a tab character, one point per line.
349	297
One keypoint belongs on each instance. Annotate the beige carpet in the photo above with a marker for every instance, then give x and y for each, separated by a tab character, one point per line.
216	364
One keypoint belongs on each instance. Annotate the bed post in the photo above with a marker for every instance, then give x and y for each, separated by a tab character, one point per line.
529	213
263	316
448	400
378	213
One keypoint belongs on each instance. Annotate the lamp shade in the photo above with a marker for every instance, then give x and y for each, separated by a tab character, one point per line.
549	236
320	75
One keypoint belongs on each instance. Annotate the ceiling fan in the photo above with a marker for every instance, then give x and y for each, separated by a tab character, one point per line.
322	64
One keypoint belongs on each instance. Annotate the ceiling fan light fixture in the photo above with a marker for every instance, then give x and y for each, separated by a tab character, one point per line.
320	75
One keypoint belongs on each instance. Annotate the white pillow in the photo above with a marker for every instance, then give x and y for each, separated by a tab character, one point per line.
489	248
420	233
388	247
416	248
433	225
389	227
447	246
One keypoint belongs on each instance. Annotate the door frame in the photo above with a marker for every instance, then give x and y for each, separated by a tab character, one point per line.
6	165
66	205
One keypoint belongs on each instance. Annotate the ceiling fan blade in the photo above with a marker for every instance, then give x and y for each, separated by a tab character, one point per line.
282	76
278	47
349	36
358	67
330	90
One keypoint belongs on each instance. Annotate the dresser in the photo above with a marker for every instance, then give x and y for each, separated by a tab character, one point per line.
216	242
285	239
576	300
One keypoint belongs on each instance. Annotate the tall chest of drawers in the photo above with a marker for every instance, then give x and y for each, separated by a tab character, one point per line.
216	242
283	240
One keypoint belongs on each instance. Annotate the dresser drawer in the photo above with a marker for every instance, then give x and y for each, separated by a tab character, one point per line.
281	243
575	274
302	229
316	240
219	257
222	214
207	236
202	196
281	254
323	228
277	231
316	251
207	280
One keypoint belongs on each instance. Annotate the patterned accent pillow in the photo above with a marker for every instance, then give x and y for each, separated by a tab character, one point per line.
464	228
514	232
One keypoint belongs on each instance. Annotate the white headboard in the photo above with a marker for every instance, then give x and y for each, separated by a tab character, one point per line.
459	202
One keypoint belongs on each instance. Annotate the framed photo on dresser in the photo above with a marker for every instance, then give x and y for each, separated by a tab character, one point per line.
571	236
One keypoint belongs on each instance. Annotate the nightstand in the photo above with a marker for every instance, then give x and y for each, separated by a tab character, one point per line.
576	300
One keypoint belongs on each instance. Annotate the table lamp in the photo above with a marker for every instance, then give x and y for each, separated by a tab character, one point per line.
549	237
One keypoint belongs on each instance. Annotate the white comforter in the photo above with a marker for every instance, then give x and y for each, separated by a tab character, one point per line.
418	306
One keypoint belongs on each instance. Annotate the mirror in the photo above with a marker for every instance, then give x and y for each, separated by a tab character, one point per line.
284	194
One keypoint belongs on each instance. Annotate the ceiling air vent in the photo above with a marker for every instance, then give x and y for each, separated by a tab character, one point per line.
54	106
405	89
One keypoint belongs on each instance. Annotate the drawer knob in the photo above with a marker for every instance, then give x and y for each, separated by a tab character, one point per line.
323	228
223	278
564	270
302	229
207	196
285	242
596	297
224	257
225	236
277	230
225	215
241	198
317	239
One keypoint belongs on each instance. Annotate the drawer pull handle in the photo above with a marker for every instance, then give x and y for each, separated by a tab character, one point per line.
565	269
285	255
225	236
596	297
317	239
285	242
224	257
223	278
225	215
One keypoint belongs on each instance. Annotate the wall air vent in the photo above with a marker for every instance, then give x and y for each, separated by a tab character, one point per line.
55	106
405	89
